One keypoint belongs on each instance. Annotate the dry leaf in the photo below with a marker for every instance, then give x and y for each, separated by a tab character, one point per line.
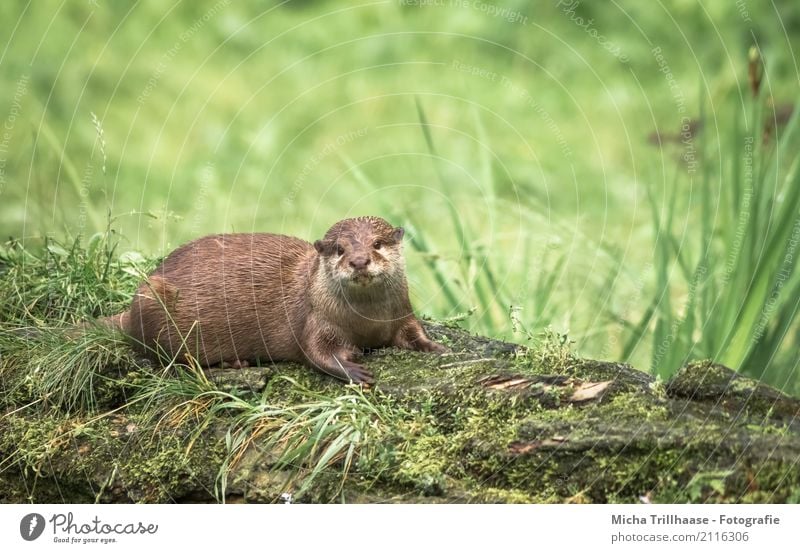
589	390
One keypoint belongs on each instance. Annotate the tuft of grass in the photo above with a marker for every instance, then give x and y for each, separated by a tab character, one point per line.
320	435
63	368
50	349
310	437
65	283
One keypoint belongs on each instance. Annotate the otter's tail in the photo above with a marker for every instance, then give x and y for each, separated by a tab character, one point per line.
115	322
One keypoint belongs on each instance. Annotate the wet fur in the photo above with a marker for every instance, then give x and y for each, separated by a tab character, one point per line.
232	299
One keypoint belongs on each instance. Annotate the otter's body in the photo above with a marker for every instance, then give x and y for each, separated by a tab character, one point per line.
232	299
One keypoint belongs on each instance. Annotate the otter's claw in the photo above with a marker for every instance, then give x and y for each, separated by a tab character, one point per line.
431	347
358	374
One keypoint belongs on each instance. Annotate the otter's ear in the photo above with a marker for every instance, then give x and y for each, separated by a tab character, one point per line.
398	234
323	247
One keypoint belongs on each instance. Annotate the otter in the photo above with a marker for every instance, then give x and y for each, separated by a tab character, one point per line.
233	299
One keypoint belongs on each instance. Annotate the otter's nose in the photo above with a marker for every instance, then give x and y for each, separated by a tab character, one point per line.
359	263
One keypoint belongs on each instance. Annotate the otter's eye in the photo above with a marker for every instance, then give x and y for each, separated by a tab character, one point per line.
339	250
377	244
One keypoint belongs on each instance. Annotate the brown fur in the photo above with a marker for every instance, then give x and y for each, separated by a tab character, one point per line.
235	298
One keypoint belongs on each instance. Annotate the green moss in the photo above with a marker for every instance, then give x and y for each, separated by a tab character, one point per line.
633	406
712	382
497	495
28	445
435	429
422	466
166	469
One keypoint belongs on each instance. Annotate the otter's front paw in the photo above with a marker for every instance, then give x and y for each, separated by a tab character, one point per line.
358	374
431	347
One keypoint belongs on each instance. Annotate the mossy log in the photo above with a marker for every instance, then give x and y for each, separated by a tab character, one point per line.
489	422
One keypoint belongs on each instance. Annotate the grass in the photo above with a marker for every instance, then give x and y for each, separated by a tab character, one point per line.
472	280
730	291
310	437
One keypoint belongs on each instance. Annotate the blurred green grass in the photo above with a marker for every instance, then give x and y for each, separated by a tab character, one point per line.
221	117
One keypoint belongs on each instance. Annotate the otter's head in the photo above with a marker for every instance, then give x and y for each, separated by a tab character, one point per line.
362	252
